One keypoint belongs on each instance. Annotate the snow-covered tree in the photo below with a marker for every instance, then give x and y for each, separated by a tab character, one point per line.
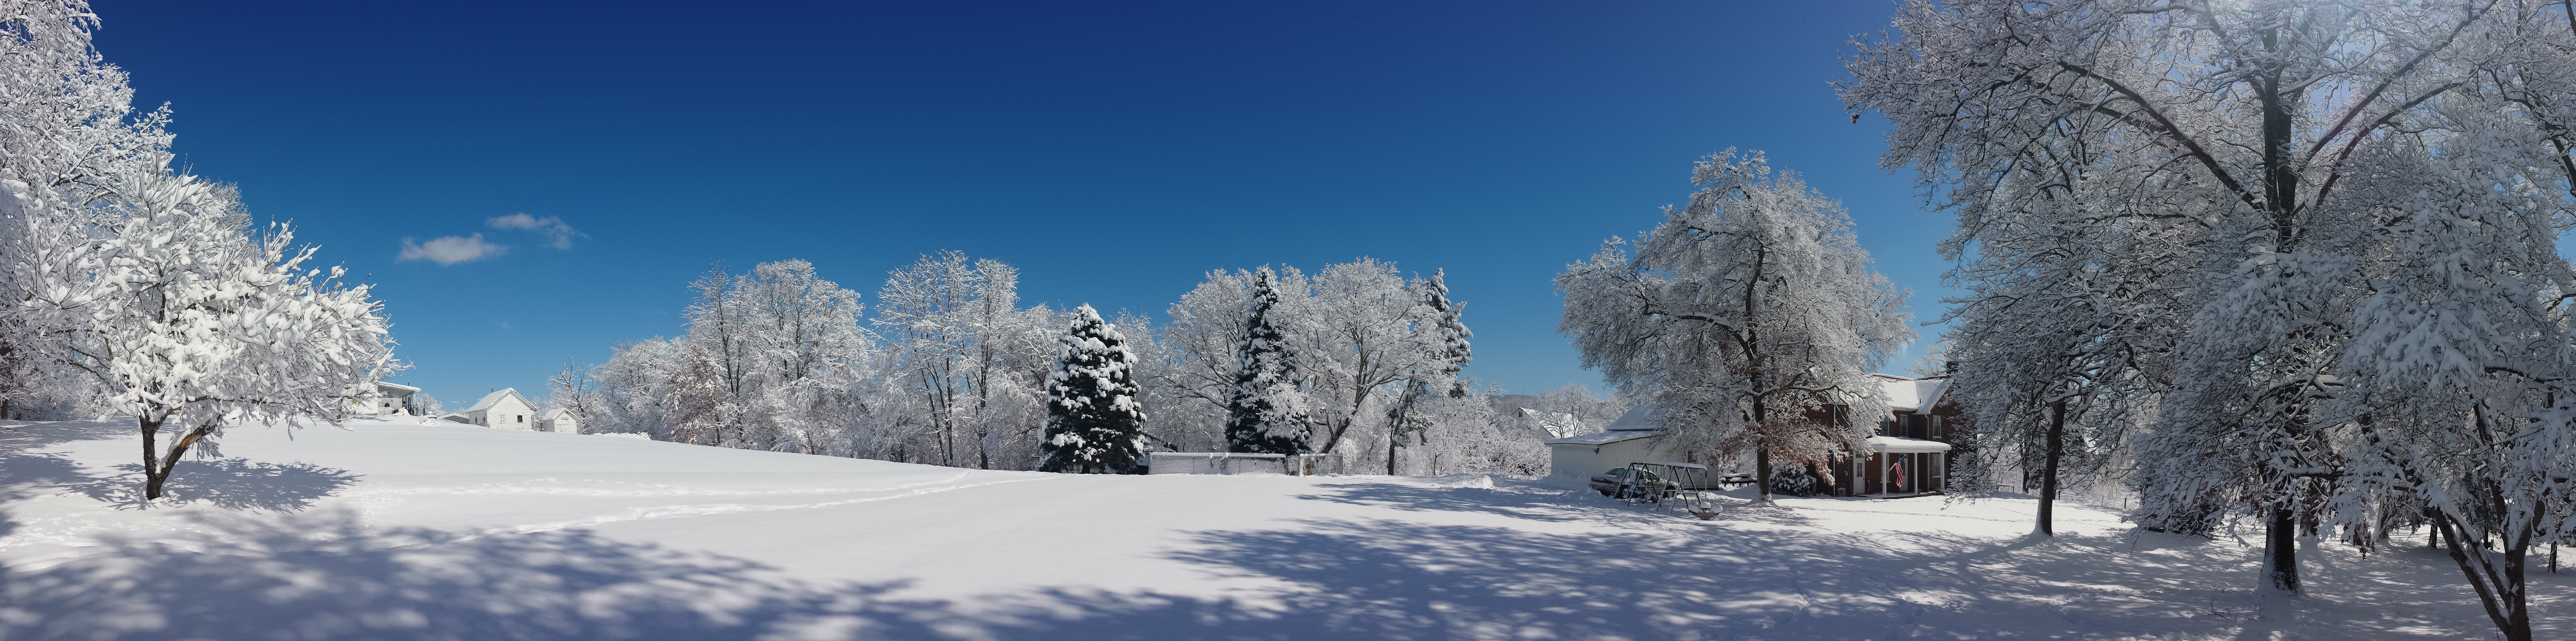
972	359
1752	316
144	280
1363	333
1266	407
1441	351
1094	421
573	390
71	138
2306	162
196	327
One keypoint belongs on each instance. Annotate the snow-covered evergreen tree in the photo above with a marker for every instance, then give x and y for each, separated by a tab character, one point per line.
1266	406
1444	352
1094	421
1752	317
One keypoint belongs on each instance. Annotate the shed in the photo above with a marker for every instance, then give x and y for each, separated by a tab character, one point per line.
558	420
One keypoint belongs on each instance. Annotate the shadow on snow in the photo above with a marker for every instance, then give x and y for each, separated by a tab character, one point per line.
321	575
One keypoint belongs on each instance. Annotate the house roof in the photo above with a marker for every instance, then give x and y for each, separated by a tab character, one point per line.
391	386
495	397
555	413
1635	419
1604	438
1916	395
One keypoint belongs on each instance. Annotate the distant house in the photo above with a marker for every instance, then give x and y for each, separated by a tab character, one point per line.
559	420
504	409
388	399
1908	456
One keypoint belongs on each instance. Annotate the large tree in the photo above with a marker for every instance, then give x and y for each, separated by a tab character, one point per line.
2306	160
1095	423
1751	317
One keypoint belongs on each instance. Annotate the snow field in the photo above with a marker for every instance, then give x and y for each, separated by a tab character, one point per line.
439	531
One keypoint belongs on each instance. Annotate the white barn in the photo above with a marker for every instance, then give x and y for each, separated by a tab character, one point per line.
504	409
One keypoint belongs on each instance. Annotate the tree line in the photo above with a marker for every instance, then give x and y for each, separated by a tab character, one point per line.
944	366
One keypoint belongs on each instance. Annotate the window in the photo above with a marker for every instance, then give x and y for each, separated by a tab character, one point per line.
1936	427
523	418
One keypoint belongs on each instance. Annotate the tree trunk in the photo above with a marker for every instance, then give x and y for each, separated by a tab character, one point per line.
157	473
151	482
1762	470
2501	588
2056	445
1761	452
1390	450
2281	552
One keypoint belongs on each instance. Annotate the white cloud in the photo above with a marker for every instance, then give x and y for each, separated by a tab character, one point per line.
552	227
450	250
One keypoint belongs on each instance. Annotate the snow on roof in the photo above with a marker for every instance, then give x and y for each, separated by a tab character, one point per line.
1604	438
406	388
1635	419
1916	395
495	397
1902	445
557	413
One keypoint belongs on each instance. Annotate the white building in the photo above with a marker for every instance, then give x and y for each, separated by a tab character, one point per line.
1573	459
388	399
504	409
559	420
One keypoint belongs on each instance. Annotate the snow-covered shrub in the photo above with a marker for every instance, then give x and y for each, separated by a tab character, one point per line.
1795	479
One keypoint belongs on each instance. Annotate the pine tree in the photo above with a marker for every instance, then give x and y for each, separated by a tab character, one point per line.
1445	352
1094	422
1450	351
1265	411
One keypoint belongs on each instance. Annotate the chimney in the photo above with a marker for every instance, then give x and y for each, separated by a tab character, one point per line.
1949	367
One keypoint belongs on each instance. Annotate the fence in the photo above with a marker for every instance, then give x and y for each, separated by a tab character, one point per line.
1234	463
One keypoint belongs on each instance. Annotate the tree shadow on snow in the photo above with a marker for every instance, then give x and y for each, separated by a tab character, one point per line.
319	575
1541	506
230	483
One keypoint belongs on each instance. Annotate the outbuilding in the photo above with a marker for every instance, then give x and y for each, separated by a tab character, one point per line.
387	399
1574	459
559	420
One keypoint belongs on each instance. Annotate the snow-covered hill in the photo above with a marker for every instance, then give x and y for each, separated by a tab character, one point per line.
440	531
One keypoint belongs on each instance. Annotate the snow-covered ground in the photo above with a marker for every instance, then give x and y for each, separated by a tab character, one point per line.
442	531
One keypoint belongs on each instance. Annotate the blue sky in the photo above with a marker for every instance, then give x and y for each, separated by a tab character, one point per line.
1113	153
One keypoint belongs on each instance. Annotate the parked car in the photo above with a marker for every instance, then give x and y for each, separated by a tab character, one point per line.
1637	482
